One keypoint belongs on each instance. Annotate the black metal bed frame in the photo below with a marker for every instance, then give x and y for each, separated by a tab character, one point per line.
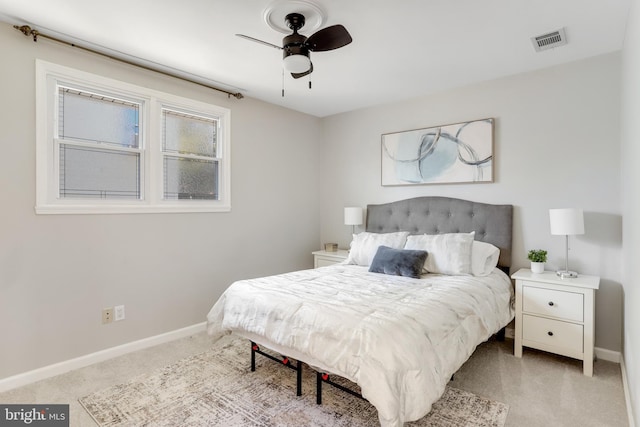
286	361
255	348
321	377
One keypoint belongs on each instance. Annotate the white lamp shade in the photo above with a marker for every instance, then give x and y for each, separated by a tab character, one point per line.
297	63
353	216
566	221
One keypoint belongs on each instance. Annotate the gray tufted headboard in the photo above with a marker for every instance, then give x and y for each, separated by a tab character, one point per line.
434	215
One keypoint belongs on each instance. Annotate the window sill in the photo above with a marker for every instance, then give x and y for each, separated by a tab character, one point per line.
128	209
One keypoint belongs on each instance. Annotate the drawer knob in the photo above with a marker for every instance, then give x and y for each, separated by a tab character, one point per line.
551	303
550	333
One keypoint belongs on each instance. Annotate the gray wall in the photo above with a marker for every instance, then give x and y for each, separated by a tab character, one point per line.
57	272
556	145
631	203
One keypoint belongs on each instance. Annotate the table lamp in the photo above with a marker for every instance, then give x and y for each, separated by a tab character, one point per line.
566	222
353	217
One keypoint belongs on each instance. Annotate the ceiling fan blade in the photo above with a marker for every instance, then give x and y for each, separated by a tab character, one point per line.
329	38
259	41
298	75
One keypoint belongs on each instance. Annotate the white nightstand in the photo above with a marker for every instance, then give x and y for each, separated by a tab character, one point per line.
324	258
556	315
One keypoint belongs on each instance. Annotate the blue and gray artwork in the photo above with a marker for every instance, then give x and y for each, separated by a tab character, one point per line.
453	153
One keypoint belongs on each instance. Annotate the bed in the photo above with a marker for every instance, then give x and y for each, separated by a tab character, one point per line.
399	338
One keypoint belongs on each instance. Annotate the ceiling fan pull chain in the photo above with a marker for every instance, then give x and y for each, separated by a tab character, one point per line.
309	84
283	82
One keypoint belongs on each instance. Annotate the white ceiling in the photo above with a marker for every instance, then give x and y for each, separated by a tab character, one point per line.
401	49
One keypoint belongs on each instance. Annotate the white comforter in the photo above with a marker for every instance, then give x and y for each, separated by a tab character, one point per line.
399	339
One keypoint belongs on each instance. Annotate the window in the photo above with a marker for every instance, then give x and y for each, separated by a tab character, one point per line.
98	142
189	149
105	146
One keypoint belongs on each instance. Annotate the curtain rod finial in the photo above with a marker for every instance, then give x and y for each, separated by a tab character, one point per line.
27	31
24	29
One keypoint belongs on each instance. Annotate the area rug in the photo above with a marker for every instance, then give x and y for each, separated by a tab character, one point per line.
217	388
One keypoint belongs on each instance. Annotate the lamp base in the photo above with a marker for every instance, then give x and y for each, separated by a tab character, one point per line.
565	274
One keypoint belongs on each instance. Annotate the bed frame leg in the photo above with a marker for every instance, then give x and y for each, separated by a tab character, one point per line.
318	388
254	347
299	379
501	333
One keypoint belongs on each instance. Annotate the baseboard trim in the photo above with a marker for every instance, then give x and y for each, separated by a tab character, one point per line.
627	394
608	355
45	372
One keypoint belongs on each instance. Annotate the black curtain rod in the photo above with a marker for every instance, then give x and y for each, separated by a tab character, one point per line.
28	31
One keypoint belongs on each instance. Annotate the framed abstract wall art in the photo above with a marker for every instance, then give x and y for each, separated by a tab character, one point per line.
456	153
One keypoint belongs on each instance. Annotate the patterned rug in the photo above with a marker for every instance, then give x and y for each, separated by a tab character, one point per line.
217	388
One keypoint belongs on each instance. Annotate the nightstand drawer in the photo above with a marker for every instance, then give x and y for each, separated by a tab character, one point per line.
553	333
325	258
323	262
553	303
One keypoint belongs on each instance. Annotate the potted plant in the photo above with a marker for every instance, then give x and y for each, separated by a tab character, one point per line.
537	257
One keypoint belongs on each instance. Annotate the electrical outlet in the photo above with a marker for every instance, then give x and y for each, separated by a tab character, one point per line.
107	315
119	312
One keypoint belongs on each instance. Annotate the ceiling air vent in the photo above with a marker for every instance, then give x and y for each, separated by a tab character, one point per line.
549	41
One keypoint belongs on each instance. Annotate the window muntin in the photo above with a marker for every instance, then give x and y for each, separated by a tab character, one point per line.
105	146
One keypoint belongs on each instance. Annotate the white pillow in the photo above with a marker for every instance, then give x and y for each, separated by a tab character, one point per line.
484	258
365	245
449	253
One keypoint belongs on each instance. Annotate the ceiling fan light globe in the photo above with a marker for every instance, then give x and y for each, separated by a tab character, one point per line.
296	63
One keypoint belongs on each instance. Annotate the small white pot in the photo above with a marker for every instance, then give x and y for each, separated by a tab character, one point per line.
537	267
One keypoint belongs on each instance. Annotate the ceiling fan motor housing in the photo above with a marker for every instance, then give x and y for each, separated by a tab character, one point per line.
294	45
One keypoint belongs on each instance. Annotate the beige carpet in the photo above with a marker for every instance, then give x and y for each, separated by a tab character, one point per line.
217	388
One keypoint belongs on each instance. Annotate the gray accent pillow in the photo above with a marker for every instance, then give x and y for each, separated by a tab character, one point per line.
398	262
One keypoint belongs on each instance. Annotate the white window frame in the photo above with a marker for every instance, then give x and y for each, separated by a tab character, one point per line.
49	76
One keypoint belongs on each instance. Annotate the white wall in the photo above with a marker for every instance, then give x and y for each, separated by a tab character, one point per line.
556	145
631	203
57	272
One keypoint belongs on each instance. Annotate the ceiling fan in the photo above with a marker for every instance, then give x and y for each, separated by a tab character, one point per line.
296	48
